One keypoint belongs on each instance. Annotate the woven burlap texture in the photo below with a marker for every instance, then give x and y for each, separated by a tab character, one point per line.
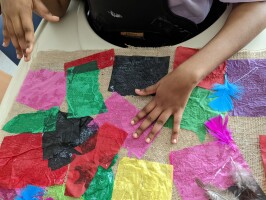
246	130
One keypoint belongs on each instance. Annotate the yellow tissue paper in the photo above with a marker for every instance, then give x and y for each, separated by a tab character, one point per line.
139	179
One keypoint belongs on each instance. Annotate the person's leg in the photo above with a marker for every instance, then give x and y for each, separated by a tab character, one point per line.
58	7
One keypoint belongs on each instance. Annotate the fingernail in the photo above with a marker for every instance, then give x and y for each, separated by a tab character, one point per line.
174	141
4	44
148	140
18	56
135	135
137	90
132	122
29	48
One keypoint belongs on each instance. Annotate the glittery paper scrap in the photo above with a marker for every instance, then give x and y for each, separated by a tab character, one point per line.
83	95
102	184
217	76
132	72
104	59
21	163
84	167
37	122
210	162
197	111
120	113
251	75
140	179
43	89
58	145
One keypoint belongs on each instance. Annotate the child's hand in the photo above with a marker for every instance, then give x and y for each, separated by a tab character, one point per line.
18	25
172	94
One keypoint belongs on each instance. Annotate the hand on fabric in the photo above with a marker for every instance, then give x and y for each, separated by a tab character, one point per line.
172	94
18	24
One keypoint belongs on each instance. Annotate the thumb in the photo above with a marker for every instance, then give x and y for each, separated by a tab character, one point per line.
43	11
147	91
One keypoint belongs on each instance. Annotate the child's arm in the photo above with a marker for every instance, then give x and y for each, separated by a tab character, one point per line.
18	25
172	92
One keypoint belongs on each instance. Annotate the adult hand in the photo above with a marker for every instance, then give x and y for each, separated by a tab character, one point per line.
172	94
18	24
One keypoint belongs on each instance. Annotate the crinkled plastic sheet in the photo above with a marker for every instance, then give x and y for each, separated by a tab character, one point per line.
7	194
43	89
102	184
263	150
57	193
58	145
33	122
83	95
120	113
104	59
140	179
217	76
84	167
21	163
251	75
210	162
132	72
197	111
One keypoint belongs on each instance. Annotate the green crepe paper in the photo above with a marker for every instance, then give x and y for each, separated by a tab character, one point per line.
102	184
83	94
196	113
41	121
57	193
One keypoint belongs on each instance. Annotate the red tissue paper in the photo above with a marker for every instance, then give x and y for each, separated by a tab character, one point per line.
84	167
21	163
217	76
104	59
263	150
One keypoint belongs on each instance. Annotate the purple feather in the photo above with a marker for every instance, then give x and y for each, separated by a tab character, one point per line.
218	129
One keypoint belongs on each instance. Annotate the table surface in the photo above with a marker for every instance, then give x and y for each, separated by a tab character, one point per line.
74	33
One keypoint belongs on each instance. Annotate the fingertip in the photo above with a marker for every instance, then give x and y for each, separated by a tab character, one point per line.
29	49
174	141
54	19
57	18
132	122
26	59
137	91
174	137
5	43
19	56
148	140
135	135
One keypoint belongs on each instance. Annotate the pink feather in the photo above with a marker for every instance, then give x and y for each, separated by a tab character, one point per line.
218	129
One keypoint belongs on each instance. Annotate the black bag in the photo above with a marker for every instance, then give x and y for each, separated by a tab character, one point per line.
145	23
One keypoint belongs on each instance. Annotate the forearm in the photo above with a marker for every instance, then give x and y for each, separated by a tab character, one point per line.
244	23
57	7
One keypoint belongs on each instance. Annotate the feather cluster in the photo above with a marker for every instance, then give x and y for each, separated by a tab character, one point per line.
245	186
216	194
218	129
31	192
245	182
223	95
